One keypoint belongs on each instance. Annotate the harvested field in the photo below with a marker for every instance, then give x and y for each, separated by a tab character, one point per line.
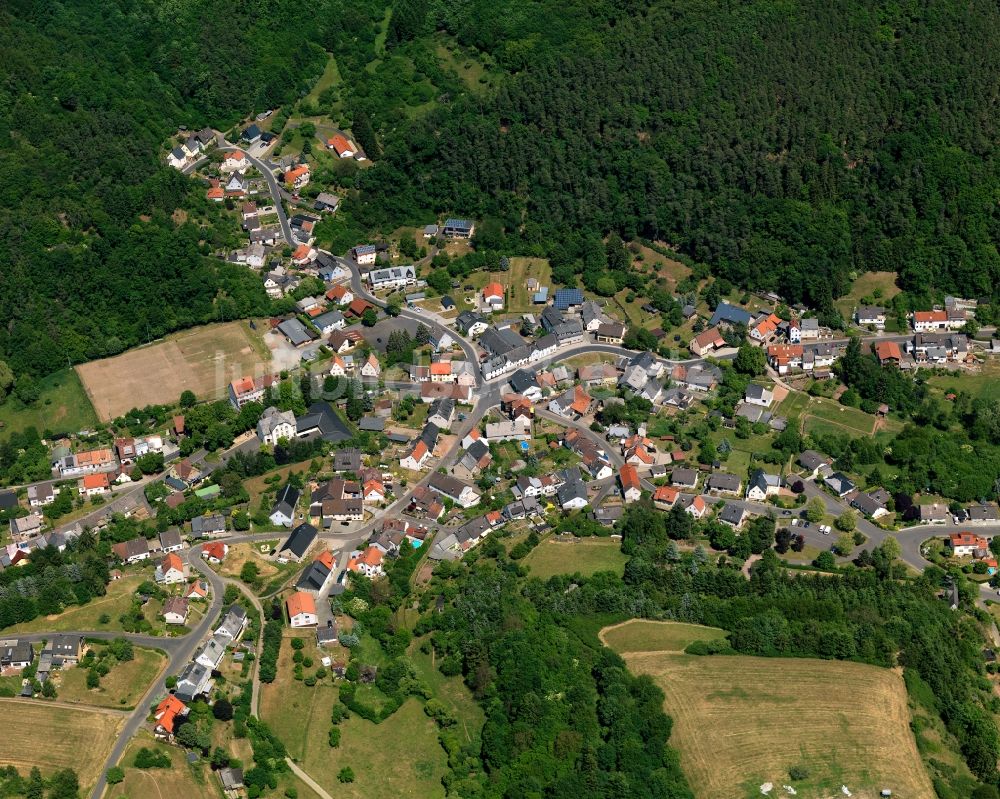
844	723
54	737
204	360
639	635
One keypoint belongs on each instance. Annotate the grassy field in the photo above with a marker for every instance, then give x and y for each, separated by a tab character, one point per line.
829	416
400	757
984	383
642	635
121	688
87	617
451	691
520	270
846	723
192	781
62	407
330	77
586	556
204	360
52	738
866	285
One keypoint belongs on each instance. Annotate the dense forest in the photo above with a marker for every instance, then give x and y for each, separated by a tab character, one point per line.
789	146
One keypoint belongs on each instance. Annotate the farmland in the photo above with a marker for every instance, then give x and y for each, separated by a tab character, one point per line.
203	360
638	635
586	556
842	723
85	738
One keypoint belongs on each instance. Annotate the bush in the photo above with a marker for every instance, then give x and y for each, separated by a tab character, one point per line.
798	773
149	758
298	643
115	775
222	709
334	737
346	774
717	647
270	651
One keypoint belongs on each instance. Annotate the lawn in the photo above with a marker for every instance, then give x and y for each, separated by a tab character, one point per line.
984	383
582	555
846	723
827	415
62	407
451	691
469	68
53	738
258	486
641	635
866	285
192	781
121	688
87	617
204	359
519	298
400	757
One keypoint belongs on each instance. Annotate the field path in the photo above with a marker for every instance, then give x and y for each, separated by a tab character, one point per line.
320	791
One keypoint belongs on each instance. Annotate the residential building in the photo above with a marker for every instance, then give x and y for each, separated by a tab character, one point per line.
707	341
684	478
610	333
870	316
194	681
341	146
215	552
297	176
298	543
630	485
170	570
730	315
763	485
211	525
91	485
234	622
733	515
393	277
724	483
170	540
365	254
132	551
968	545
664	497
888	353
471	323
275	425
16	654
175	610
460	493
458	229
759	395
283	511
166	714
492	299
321	421
840	484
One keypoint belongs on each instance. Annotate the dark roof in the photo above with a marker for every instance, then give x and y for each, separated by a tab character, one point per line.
299	541
564	298
320	419
447	302
286	500
8	500
313	577
523	379
731	513
372	424
251	133
725	312
295	331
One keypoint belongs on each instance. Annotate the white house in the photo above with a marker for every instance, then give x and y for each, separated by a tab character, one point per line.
275	425
365	254
170	570
235	161
175	610
762	486
759	395
302	610
371	367
870	315
460	493
415	459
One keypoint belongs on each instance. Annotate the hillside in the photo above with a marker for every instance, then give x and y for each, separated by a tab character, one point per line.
787	145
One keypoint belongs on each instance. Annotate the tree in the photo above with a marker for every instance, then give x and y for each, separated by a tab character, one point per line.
115	775
815	509
891	549
422	335
369	318
847	521
843	545
188	399
346	774
6	380
782	540
825	560
750	360
222	709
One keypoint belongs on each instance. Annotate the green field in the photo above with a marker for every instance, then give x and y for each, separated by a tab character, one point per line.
122	687
450	690
582	555
62	407
519	298
983	384
330	77
87	617
641	635
742	721
866	285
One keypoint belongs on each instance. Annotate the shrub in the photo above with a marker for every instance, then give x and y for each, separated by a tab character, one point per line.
115	775
334	737
346	774
149	758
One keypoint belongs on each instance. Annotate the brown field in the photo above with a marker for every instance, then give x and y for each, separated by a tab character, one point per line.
640	635
53	737
203	360
180	780
121	688
846	723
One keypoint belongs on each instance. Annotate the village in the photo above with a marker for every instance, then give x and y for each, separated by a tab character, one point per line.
408	425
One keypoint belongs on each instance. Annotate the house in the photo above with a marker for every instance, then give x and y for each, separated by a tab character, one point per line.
341	146
365	254
934	514
64	650
170	540
235	161
812	462
447	303
347	460
695	506
170	570
341	295
684	478
367	562
572	494
215	552
283	511
232	781
707	341
25	527
460	493
327	322
416	457
441	412
518	429
724	483
275	425
809	329
211	654
166	713
371	367
326	202
321	421
394	277
840	484
565	299
91	485
373	492
924	321
132	551
297	177
298	542
888	353
664	497
598	374
733	515
16	654
175	610
630	485
730	315
430	231
759	395
763	485
471	323
458	229
492	298
234	622
610	333
870	316
983	514
765	328
572	403
296	332
247	389
194	681
209	525
785	357
872	504
967	544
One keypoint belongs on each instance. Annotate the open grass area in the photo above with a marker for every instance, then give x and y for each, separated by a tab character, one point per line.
983	383
743	721
451	691
464	64
87	617
330	77
865	286
819	414
54	737
584	555
519	298
121	688
400	757
642	635
62	407
182	779
204	359
257	486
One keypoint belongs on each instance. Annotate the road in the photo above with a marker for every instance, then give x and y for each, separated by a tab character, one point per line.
273	186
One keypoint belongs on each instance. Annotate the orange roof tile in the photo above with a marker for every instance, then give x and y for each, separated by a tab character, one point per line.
629	477
326	558
339	143
171	561
930	316
493	290
96	481
300	602
168	710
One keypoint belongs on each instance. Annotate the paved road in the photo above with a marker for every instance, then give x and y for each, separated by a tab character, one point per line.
272	184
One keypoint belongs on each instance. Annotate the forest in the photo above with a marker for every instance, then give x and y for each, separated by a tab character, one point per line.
789	147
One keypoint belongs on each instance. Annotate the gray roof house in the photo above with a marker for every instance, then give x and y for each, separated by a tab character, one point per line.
283	512
298	542
208	526
840	484
724	483
295	332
